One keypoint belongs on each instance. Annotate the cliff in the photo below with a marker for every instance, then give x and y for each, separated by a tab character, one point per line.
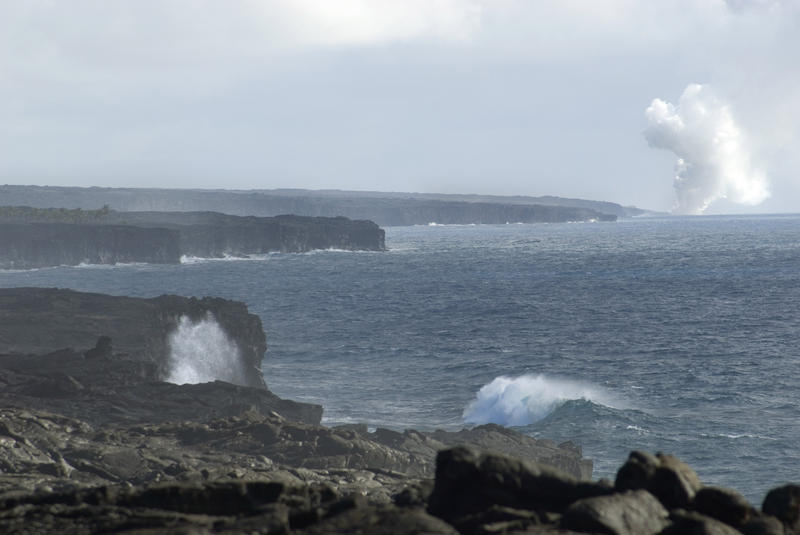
31	237
212	234
33	245
46	320
384	208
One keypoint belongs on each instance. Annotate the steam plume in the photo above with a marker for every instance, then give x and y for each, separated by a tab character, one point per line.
713	160
201	352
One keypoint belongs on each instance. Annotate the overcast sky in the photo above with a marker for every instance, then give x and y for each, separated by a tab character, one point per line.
534	97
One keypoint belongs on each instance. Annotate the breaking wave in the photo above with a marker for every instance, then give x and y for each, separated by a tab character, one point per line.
523	400
201	352
186	259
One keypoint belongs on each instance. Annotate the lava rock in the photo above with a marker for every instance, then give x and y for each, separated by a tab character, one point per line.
635	512
468	482
726	505
668	478
784	504
691	523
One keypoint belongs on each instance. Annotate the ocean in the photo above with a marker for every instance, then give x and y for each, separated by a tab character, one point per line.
677	334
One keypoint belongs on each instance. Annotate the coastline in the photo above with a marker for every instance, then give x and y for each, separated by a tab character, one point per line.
93	440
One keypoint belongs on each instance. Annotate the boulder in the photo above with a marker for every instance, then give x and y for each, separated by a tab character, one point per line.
691	523
674	482
635	512
761	524
784	504
637	472
566	456
468	482
668	478
726	505
378	520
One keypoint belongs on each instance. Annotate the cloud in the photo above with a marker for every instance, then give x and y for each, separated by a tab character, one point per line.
359	22
713	157
508	96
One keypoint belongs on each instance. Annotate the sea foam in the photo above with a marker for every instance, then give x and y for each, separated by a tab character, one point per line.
523	400
201	352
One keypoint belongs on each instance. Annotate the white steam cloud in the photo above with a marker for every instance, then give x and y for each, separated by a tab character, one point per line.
713	158
201	352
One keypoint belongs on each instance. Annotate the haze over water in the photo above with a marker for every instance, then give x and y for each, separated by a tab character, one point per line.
676	335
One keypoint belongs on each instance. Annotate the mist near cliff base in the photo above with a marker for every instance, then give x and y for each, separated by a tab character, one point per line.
714	160
201	351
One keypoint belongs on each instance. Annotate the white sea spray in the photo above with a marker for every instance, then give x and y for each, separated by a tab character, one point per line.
201	351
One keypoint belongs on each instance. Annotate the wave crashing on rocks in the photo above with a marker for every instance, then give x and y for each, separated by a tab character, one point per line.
201	351
523	400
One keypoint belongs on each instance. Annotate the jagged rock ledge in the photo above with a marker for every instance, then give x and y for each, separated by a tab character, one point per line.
33	237
39	321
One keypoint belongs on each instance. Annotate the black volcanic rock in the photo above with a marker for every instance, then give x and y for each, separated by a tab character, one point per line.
212	234
43	320
468	483
479	494
668	478
784	504
32	245
31	238
725	505
635	512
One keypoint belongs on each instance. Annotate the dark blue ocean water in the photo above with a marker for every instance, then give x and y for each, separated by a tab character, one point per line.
676	334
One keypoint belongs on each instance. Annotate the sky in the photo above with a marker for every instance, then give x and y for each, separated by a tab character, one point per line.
684	105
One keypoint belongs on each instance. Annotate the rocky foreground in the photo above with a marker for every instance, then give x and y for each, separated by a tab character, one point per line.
471	492
92	440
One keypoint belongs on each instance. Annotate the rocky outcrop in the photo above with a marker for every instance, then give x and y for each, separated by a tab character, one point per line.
32	238
46	320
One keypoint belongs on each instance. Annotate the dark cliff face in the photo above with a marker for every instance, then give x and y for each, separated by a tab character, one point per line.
43	320
30	238
30	245
218	235
330	233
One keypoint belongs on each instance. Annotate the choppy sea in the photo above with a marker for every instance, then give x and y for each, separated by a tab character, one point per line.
677	334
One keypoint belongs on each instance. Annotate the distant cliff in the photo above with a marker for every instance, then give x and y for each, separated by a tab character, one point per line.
32	245
212	234
32	237
387	209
